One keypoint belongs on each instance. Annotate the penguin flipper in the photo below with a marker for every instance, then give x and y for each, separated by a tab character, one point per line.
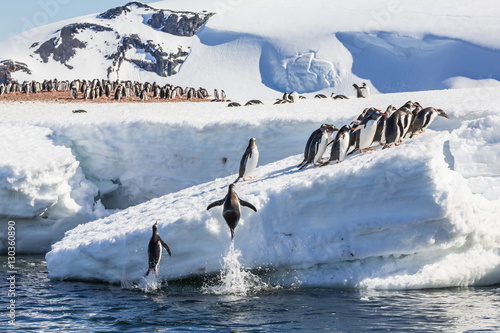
215	203
248	204
165	246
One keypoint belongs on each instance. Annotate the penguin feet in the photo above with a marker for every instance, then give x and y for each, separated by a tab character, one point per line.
248	178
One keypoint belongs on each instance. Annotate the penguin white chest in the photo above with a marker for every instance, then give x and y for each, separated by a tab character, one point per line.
323	142
344	146
431	118
251	164
367	134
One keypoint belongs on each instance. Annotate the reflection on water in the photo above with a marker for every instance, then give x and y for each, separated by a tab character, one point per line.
44	305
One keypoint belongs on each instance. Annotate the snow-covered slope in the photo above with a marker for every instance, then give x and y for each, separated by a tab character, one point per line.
404	213
254	48
406	217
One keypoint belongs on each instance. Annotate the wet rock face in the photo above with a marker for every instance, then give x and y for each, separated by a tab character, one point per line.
178	23
7	67
62	48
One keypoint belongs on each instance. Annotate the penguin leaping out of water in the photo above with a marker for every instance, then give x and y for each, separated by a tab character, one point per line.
231	208
154	250
248	161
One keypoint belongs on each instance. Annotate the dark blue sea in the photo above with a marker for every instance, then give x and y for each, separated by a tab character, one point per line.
43	305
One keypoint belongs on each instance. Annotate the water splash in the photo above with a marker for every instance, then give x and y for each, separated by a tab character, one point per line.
148	283
234	279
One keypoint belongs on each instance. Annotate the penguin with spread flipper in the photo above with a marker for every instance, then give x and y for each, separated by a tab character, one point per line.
231	208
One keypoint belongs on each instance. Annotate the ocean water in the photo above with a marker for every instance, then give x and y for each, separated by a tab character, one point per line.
235	301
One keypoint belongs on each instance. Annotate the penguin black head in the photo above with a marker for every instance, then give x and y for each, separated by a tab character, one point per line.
155	227
442	113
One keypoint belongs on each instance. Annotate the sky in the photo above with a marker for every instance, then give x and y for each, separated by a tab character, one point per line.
19	16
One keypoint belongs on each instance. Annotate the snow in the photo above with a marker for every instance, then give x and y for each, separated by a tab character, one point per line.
403	217
87	187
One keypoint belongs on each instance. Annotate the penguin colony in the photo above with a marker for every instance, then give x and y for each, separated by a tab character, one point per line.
389	128
292	97
114	90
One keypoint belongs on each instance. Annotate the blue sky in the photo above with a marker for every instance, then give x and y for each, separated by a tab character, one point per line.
19	15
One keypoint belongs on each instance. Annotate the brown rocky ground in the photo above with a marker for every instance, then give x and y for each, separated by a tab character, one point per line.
65	97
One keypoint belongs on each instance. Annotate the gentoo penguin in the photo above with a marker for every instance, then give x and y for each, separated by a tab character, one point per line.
222	96
248	161
367	129
417	108
231	208
154	250
358	91
253	102
334	96
316	145
233	104
380	133
365	90
293	97
340	145
216	95
425	117
320	96
394	128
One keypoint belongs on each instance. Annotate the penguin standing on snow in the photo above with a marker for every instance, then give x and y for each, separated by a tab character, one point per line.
231	208
425	117
367	128
248	161
394	128
316	145
340	145
363	91
154	250
380	133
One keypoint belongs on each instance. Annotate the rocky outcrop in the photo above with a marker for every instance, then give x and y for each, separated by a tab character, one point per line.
117	11
178	23
62	48
164	63
7	67
105	39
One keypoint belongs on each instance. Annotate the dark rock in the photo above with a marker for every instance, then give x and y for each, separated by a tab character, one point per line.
7	67
178	23
165	64
62	48
117	11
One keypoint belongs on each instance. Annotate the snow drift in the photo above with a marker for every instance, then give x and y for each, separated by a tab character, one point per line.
419	215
